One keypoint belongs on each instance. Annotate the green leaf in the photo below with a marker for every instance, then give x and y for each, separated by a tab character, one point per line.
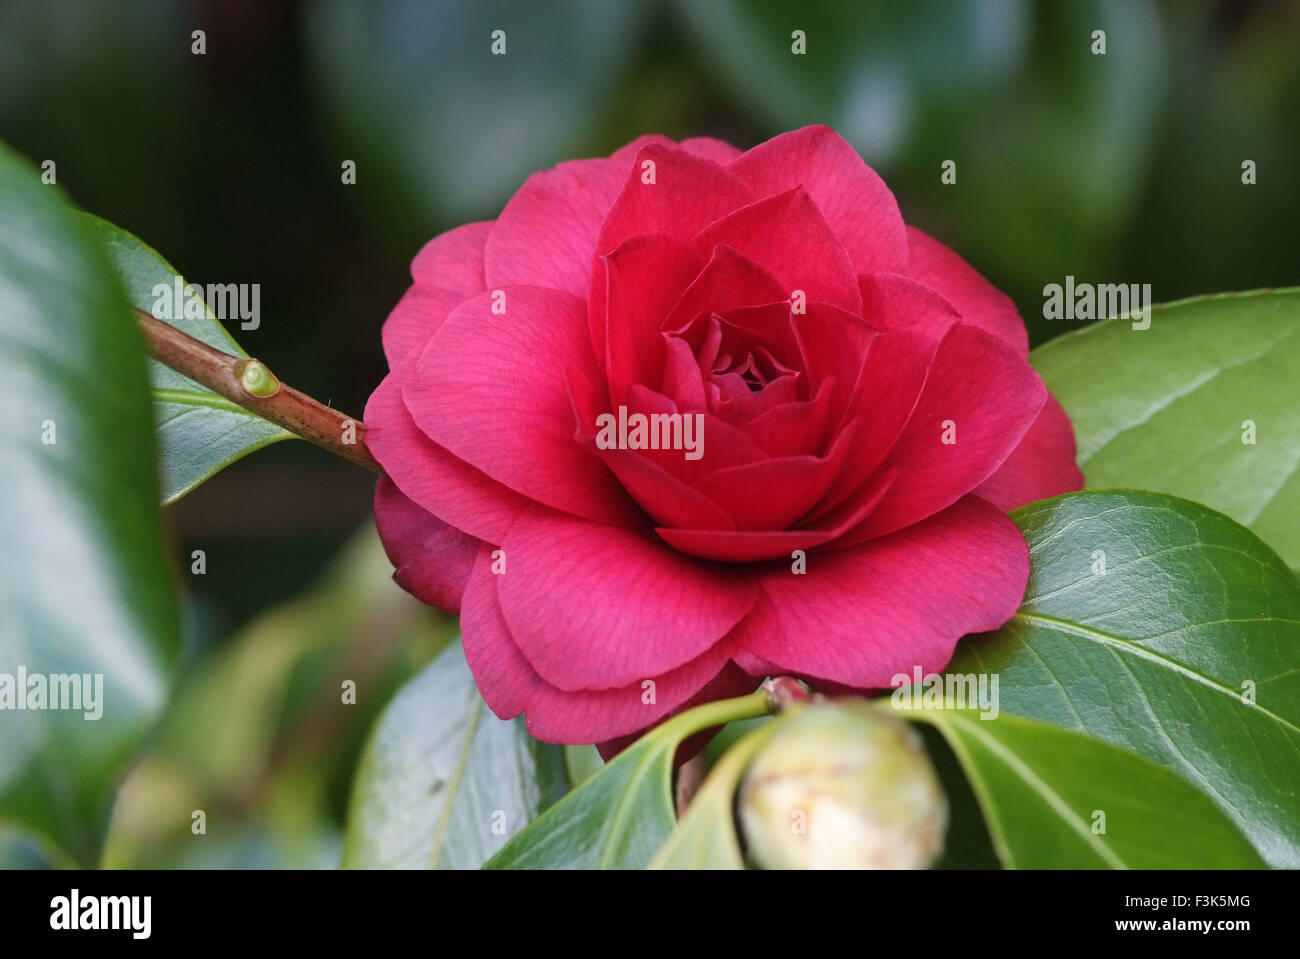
84	581
582	762
1166	408
621	816
705	838
199	432
1045	791
1157	653
967	844
444	783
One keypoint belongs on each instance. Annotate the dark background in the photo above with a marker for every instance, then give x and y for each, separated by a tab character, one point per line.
1117	168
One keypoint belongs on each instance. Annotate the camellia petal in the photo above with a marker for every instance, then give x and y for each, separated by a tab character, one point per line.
545	234
773	493
596	607
1042	465
667	499
728	281
731	681
667	190
792	428
897	364
445	485
860	616
975	298
850	195
788	237
432	560
750	546
453	261
514	370
645	276
835	345
416	317
511	686
979	400
719	151
723	445
448	270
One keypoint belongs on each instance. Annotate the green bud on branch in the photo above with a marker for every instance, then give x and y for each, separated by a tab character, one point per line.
248	383
256	379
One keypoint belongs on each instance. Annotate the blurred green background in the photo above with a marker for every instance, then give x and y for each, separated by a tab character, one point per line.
1117	168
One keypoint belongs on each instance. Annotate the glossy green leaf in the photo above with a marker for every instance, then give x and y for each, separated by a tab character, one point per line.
444	783
967	844
1166	408
1055	799
583	762
199	432
705	837
621	816
1185	650
85	586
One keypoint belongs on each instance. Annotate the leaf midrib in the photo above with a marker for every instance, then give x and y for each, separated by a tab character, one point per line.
453	787
1141	652
1049	796
643	769
1177	395
195	398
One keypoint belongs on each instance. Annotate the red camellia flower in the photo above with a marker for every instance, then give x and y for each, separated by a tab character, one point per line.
686	417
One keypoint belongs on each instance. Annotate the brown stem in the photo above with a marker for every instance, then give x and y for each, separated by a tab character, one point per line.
251	385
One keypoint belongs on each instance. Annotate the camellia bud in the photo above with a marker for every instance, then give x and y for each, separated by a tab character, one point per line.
842	785
256	379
